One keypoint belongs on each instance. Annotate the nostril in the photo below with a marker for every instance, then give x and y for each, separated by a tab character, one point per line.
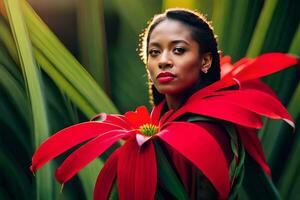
165	65
159	65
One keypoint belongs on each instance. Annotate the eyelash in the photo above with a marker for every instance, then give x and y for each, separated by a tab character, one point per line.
179	50
153	52
176	50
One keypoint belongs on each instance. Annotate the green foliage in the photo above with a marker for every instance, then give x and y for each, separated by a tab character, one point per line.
34	86
43	88
168	176
92	40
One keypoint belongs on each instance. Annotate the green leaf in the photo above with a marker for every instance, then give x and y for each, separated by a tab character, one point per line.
221	18
88	176
196	118
126	69
20	189
167	175
288	181
64	84
238	21
33	86
114	192
17	131
261	29
7	39
293	106
291	171
90	16
44	40
295	47
257	183
16	92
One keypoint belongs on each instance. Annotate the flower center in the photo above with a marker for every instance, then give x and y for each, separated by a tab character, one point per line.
148	129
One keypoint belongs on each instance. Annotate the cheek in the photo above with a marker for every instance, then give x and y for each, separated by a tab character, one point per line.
191	70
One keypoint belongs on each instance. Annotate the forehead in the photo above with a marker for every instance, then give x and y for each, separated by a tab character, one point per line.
170	29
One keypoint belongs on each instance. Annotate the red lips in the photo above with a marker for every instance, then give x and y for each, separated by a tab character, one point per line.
165	77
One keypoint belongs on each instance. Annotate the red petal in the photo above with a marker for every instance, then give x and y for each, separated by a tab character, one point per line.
137	171
253	147
213	107
258	85
106	177
86	153
256	101
183	168
66	139
165	117
226	68
201	148
156	112
118	120
261	66
236	67
242	62
266	64
139	117
225	60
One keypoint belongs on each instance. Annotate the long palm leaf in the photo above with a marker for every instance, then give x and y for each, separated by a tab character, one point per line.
33	84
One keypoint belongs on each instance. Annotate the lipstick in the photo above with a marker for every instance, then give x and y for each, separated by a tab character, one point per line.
165	77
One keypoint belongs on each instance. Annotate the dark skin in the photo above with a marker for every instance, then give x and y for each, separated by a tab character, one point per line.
172	49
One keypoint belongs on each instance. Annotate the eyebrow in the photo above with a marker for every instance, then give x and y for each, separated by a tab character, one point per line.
172	42
180	41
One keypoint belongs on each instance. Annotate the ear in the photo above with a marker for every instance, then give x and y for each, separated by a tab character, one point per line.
206	62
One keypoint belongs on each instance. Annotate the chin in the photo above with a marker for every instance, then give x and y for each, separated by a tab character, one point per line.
170	91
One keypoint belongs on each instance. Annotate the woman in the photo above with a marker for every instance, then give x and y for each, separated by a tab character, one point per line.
201	124
181	54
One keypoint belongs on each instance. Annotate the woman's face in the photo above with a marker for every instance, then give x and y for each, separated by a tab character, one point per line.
174	62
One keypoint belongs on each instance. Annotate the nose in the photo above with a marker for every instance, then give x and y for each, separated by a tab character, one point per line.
165	61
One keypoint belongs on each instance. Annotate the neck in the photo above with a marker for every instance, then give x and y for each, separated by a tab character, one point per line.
174	101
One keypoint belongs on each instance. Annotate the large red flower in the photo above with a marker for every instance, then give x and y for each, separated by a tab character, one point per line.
134	163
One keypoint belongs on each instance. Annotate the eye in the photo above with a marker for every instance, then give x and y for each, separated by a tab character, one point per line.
179	50
153	52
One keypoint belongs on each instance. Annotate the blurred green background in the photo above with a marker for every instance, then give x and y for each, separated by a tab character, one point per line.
63	61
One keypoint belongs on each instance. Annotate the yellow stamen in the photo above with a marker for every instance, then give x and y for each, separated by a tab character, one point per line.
148	129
